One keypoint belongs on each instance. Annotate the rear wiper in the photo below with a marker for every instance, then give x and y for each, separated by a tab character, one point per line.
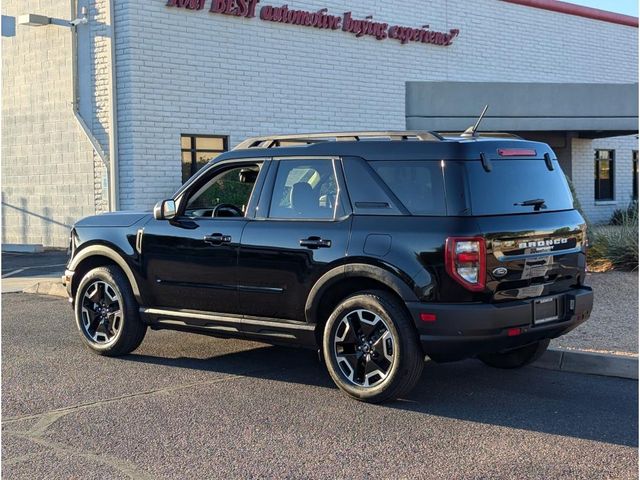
536	203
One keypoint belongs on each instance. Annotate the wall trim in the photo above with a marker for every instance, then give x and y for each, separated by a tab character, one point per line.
579	11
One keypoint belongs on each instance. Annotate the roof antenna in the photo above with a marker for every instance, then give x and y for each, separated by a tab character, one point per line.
471	131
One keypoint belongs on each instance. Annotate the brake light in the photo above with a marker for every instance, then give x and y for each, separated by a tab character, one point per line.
516	152
466	262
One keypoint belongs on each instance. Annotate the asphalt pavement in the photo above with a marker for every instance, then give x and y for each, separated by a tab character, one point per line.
188	406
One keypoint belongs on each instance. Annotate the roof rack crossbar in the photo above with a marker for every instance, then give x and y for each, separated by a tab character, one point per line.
277	140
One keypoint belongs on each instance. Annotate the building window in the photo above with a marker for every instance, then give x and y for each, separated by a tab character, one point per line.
635	174
604	175
198	150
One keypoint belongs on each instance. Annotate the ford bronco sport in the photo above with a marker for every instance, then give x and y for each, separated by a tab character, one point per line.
376	248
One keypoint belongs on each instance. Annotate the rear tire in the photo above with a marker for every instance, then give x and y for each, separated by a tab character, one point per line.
107	313
371	348
516	358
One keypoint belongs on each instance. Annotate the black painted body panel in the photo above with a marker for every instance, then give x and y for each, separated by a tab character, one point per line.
264	285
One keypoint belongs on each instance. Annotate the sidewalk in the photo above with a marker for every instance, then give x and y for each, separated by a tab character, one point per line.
22	271
613	326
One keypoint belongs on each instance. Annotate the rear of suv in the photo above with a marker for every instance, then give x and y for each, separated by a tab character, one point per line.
377	248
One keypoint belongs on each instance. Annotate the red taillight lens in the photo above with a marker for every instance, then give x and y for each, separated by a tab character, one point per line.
465	261
516	152
428	317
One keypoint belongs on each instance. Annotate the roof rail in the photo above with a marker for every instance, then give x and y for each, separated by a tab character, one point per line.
309	138
482	135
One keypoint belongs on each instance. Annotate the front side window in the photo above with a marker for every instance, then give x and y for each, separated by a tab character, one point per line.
635	174
305	189
227	194
604	175
197	151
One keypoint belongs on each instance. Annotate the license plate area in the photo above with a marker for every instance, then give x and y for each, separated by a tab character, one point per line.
547	309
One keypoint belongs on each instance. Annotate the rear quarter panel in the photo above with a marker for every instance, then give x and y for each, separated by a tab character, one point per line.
416	249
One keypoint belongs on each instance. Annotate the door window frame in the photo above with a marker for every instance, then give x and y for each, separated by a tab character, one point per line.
343	205
206	174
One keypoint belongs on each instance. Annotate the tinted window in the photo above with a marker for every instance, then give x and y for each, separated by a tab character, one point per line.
417	184
511	182
604	175
231	187
304	189
197	151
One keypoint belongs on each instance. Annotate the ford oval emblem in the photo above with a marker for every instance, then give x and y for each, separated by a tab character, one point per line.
499	272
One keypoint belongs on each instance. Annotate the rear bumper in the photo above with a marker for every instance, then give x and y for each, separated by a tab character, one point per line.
466	330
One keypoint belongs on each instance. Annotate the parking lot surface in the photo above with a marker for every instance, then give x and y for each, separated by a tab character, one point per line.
186	406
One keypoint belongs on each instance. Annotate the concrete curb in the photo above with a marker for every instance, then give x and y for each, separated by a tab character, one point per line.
561	360
590	363
48	287
22	247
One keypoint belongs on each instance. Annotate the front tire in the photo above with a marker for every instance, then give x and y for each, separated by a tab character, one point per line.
107	314
371	348
516	358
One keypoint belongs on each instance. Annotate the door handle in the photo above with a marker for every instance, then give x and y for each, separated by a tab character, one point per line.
217	239
315	242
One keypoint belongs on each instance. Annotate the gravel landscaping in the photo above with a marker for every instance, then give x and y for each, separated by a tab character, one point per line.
613	326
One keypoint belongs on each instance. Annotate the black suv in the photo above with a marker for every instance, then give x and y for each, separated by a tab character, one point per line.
376	248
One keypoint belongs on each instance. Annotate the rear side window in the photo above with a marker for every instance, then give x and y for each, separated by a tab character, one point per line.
418	185
304	189
512	182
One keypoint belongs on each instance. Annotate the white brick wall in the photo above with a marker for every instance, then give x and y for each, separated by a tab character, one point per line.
182	71
47	163
583	152
100	33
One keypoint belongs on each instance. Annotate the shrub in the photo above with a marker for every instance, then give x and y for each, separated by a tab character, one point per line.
619	214
615	246
576	200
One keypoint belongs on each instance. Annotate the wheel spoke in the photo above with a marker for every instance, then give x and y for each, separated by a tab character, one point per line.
352	331
113	318
93	293
352	359
89	306
94	324
368	322
360	369
372	365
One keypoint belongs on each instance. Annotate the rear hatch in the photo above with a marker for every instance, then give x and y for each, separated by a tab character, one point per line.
535	239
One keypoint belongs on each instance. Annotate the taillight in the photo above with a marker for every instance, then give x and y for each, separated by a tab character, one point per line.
517	152
466	261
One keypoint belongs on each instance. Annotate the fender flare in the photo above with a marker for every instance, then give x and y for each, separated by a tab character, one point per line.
111	254
391	279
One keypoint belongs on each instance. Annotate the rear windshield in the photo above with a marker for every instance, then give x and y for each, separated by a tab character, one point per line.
512	182
465	188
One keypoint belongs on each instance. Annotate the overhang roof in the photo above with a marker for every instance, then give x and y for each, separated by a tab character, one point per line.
589	109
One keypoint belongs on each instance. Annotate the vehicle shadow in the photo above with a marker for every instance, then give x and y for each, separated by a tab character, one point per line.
581	406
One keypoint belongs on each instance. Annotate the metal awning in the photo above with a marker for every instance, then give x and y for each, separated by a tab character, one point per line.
591	110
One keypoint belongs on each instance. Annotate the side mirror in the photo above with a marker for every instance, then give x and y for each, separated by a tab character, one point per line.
165	210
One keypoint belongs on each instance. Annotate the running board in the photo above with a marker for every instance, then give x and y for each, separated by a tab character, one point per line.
270	330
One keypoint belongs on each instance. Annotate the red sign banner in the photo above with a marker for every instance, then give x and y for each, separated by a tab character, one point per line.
321	19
